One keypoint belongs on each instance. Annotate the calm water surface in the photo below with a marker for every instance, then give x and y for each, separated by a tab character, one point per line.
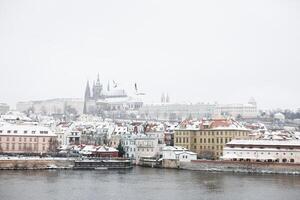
145	183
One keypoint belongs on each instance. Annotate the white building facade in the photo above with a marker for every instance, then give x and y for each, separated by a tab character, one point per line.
280	151
178	153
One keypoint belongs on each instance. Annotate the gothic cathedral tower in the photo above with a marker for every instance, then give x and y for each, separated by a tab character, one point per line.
87	97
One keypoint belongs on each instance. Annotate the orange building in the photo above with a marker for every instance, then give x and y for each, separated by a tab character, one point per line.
22	138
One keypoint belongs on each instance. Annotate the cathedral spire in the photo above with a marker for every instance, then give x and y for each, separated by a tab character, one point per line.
163	98
87	96
87	93
108	86
98	79
167	98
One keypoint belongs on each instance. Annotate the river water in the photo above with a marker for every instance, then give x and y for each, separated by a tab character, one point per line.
144	183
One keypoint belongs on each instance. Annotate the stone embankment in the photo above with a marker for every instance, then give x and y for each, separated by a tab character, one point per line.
36	163
243	167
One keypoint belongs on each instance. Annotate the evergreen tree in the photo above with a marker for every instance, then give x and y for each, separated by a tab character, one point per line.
121	150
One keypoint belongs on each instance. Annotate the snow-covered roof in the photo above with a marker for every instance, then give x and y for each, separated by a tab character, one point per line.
15	115
185	152
125	99
25	130
174	148
106	149
115	92
265	142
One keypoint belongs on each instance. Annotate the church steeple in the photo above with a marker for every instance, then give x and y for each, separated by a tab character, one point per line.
167	98
98	79
97	89
108	86
87	96
163	98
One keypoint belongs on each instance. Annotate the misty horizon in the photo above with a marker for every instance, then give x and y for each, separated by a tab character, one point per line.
225	52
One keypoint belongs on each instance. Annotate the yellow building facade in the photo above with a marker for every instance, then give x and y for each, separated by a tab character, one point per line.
208	143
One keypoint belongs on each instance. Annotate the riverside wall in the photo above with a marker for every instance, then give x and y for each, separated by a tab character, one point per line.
241	167
171	163
36	163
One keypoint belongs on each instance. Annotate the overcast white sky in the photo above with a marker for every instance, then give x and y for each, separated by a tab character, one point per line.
197	51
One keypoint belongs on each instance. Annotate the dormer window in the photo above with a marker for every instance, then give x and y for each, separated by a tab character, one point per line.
25	132
15	131
8	131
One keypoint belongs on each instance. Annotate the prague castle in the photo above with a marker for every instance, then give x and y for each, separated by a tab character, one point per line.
111	101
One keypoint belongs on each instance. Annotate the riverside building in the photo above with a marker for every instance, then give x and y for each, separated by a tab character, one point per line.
280	151
208	137
16	138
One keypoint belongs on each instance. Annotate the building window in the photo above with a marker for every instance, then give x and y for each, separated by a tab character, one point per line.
7	139
25	132
8	131
195	140
15	131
